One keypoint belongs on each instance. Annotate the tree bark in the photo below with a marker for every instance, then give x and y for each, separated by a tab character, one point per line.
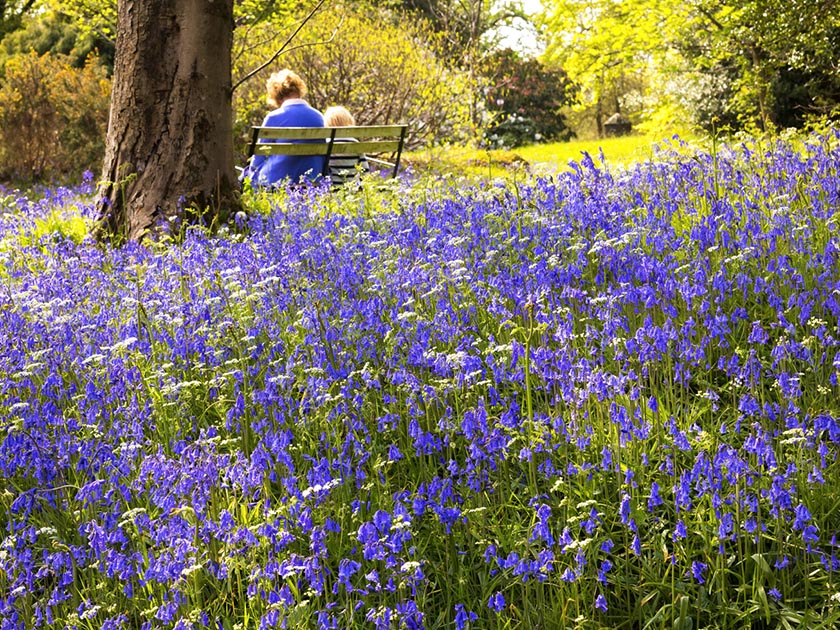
169	150
599	117
760	87
599	106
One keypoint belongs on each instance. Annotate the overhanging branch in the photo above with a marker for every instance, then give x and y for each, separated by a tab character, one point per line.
282	48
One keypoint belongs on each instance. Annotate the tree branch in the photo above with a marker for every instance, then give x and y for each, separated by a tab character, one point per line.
711	18
253	23
282	48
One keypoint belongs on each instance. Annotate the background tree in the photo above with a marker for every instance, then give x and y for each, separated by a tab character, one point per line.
467	32
169	147
402	78
464	26
54	96
744	63
525	100
779	57
608	48
12	13
56	33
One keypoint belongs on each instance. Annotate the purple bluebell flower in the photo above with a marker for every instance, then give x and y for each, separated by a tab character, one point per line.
698	571
541	529
497	602
601	602
462	616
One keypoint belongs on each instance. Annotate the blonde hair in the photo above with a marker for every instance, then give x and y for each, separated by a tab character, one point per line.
338	116
282	85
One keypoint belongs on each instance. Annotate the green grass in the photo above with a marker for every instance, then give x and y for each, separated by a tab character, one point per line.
623	151
538	158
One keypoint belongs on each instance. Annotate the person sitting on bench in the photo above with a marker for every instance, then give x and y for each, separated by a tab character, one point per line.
343	168
286	91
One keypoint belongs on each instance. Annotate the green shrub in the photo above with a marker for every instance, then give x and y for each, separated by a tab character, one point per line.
525	100
57	33
53	117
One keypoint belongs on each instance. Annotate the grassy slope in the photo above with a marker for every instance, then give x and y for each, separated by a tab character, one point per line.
623	150
539	157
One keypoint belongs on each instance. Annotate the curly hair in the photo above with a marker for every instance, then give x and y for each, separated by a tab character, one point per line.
282	85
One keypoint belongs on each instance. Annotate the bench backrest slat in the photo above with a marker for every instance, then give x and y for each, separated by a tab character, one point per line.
366	146
370	131
321	148
291	148
293	133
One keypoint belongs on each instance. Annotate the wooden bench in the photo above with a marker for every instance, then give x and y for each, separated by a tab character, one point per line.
332	141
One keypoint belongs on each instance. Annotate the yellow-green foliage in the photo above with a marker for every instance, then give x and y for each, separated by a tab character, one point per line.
72	227
58	224
383	72
97	18
53	117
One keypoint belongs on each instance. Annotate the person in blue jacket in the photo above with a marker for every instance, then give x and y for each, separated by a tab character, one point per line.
286	92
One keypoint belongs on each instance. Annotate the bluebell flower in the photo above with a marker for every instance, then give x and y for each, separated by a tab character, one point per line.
346	569
802	516
655	499
604	568
624	509
497	602
462	616
757	334
698	571
541	529
810	534
601	602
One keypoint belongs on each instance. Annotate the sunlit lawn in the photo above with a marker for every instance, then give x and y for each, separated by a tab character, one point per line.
540	158
623	150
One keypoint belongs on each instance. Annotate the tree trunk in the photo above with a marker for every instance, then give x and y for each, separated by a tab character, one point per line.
599	117
169	149
760	87
599	106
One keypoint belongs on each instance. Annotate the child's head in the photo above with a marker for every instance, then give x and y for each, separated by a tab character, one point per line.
338	116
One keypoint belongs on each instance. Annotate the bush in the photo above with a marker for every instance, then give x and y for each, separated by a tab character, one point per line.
58	34
524	100
399	79
53	117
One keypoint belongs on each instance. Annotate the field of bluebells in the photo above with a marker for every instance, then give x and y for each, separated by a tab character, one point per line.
593	400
